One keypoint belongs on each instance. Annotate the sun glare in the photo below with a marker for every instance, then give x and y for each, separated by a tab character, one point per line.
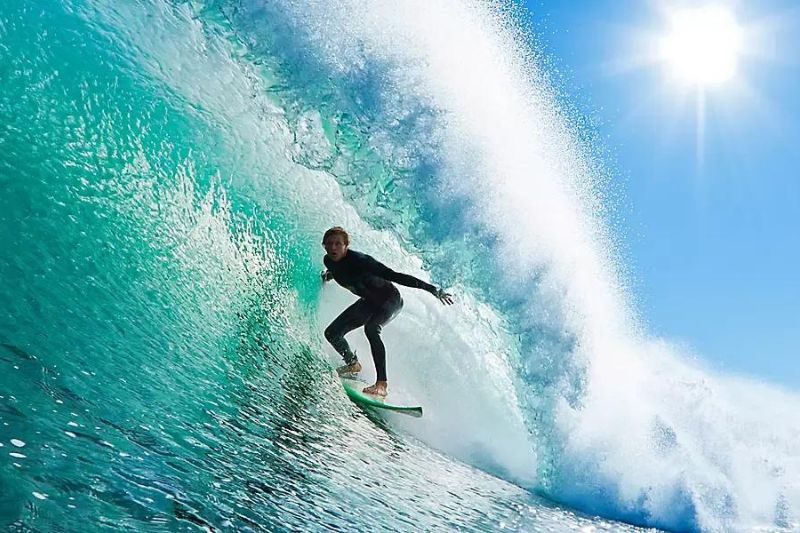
702	45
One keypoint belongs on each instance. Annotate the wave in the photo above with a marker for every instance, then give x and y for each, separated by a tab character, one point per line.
432	132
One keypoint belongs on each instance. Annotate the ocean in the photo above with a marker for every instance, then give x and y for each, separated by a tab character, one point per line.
167	170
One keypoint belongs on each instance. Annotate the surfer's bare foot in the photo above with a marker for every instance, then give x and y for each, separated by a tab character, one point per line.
352	368
379	389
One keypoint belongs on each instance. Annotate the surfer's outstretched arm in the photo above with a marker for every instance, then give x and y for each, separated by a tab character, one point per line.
378	268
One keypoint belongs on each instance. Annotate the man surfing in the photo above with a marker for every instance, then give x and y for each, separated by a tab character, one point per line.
379	302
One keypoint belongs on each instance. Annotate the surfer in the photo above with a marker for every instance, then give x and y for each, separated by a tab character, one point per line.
379	301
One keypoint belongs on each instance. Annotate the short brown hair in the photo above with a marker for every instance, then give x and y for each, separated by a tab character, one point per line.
337	230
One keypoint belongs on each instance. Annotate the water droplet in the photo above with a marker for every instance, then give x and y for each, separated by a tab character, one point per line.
71	434
18	443
17	455
40	495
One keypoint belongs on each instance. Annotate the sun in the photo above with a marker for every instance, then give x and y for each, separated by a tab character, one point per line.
702	45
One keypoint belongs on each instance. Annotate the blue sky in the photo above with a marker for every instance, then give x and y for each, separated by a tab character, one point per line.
711	228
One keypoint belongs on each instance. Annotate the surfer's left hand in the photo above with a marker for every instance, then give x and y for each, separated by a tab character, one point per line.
444	297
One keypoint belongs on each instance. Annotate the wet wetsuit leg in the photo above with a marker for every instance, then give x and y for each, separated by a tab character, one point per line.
380	317
351	318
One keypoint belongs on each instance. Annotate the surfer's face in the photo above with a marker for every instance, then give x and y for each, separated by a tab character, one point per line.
335	247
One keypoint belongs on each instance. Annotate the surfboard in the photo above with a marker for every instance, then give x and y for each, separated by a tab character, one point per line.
353	389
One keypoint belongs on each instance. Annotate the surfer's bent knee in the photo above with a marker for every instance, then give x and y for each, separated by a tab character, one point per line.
331	334
373	330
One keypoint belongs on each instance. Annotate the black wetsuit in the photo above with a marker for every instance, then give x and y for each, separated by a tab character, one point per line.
378	304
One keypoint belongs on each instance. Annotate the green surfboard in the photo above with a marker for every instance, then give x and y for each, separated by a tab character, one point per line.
353	389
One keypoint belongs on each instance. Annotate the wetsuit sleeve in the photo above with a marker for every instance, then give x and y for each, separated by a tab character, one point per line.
373	266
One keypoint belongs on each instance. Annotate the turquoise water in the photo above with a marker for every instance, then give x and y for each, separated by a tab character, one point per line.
167	171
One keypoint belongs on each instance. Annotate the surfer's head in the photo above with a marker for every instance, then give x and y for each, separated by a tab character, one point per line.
336	240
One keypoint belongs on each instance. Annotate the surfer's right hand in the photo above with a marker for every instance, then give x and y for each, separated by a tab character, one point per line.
326	275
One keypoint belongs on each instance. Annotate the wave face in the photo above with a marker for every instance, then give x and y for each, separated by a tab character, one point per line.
168	169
